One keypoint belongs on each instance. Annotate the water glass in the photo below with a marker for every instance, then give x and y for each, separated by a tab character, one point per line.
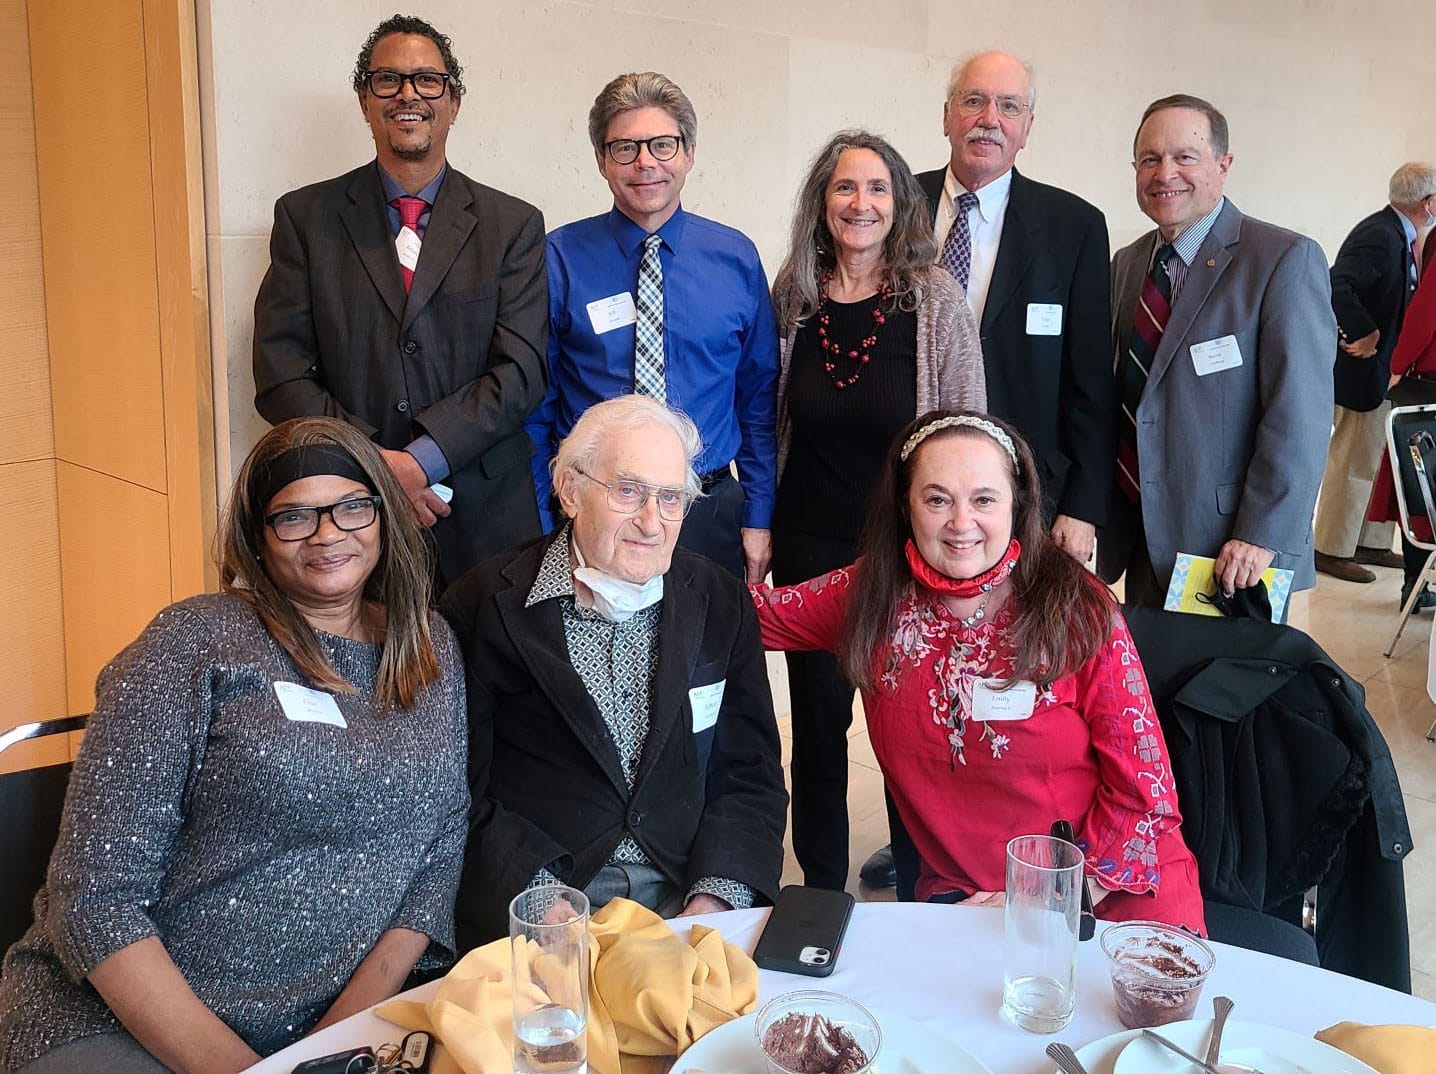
1044	901
548	932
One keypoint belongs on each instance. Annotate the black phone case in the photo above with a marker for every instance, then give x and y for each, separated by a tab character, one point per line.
804	933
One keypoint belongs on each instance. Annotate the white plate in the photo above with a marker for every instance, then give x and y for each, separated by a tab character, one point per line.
1272	1050
908	1048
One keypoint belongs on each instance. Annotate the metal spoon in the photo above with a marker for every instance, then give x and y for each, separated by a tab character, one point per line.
1229	1068
1222	1007
1066	1059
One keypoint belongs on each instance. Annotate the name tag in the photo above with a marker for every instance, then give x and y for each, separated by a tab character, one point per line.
442	491
1215	355
705	701
990	703
304	705
1044	319
407	244
612	312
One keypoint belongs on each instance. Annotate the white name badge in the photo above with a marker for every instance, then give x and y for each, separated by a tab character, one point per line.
705	701
304	705
1215	355
1044	319
990	703
407	244
615	311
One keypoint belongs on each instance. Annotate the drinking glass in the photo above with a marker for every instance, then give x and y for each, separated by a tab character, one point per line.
548	932
1044	900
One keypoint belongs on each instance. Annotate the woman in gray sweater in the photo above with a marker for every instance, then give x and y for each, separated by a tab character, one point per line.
265	825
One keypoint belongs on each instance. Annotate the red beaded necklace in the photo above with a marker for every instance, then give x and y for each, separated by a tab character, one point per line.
835	351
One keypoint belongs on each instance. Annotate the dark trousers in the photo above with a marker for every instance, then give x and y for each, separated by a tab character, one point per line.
822	706
1415	559
712	526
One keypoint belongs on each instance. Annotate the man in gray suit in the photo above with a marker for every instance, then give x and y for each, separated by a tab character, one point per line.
1224	335
412	302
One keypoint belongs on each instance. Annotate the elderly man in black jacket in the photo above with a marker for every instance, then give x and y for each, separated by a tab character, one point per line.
622	737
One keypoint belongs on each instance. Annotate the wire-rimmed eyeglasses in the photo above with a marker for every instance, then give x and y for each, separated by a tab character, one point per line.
628	497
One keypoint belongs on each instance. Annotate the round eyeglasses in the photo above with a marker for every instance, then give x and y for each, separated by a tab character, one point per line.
628	497
625	150
429	85
301	523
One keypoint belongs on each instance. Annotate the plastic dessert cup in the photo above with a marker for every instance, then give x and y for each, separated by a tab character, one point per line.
839	1012
1157	972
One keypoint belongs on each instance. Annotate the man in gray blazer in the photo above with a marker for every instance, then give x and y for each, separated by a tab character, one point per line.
412	302
1224	336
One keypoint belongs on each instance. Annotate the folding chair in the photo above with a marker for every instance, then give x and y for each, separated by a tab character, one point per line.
30	803
1411	444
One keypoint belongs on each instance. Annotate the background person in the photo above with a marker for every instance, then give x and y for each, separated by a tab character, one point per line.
958	592
264	827
873	334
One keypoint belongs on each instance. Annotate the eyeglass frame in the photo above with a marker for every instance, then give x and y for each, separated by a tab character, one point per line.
406	76
640	144
1024	105
650	492
374	499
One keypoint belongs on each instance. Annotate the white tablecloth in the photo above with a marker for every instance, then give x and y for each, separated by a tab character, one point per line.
942	966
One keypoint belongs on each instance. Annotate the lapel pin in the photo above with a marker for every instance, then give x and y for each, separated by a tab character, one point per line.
1211	262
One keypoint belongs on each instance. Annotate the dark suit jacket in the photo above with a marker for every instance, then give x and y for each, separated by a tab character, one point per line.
1058	390
461	357
547	784
1370	289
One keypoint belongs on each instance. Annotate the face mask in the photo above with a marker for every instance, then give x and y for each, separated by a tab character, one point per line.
613	598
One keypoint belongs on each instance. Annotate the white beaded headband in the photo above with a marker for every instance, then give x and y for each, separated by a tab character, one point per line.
960	419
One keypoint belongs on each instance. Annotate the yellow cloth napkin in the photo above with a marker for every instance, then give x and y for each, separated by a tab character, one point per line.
651	995
1389	1049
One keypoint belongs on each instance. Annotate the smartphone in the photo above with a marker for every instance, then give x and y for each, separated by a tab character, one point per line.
805	931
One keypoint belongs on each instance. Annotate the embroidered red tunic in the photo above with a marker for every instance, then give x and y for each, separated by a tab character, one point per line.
1092	752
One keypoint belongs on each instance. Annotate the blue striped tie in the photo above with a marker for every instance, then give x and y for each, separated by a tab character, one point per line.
648	337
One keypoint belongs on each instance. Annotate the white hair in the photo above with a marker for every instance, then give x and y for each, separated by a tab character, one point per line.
955	77
1412	183
613	417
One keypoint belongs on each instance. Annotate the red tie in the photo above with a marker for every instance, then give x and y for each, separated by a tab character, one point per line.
410	209
1149	322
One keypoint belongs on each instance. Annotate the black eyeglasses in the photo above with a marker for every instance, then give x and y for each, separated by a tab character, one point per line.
301	523
625	150
385	84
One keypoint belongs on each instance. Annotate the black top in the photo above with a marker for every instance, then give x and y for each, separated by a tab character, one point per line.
841	435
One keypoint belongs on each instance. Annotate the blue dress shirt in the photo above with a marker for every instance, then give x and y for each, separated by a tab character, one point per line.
425	449
720	343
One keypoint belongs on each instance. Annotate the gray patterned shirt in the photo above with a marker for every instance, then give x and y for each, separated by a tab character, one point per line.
618	663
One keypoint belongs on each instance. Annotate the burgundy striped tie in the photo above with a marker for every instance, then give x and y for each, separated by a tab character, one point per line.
1149	322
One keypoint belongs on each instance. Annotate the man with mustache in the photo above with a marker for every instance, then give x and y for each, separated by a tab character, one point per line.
1224	336
652	299
410	301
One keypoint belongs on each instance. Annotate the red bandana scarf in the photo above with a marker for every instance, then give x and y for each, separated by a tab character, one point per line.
930	578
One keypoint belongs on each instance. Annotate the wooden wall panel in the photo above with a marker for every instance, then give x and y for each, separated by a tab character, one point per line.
114	547
25	428
32	657
97	222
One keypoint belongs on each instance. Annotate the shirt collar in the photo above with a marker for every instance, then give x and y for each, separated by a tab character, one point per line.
393	190
991	198
630	236
555	573
1190	241
1406	226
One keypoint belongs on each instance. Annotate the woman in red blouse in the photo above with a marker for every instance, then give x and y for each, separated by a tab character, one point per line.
958	591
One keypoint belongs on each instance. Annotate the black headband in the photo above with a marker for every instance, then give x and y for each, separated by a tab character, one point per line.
308	460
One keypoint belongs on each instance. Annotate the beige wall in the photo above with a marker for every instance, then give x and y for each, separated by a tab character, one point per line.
1325	97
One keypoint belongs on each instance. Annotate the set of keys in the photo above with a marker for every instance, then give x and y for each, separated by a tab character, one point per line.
410	1056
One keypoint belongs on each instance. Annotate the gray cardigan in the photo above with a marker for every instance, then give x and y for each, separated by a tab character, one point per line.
950	374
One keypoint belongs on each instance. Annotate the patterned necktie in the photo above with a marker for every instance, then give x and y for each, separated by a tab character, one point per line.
648	337
1150	321
410	209
956	254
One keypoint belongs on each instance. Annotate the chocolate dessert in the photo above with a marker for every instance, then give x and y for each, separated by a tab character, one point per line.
1156	984
811	1044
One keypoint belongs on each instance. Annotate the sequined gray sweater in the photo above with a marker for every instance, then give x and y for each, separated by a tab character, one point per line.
268	854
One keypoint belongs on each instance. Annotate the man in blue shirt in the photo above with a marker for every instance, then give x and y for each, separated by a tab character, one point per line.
649	298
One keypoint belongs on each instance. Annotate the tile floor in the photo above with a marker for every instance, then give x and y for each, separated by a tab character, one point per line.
1353	623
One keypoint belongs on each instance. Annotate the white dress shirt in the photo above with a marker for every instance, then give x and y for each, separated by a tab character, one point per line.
984	224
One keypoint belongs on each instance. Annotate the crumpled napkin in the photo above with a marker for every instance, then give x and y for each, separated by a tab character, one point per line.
1388	1049
651	995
